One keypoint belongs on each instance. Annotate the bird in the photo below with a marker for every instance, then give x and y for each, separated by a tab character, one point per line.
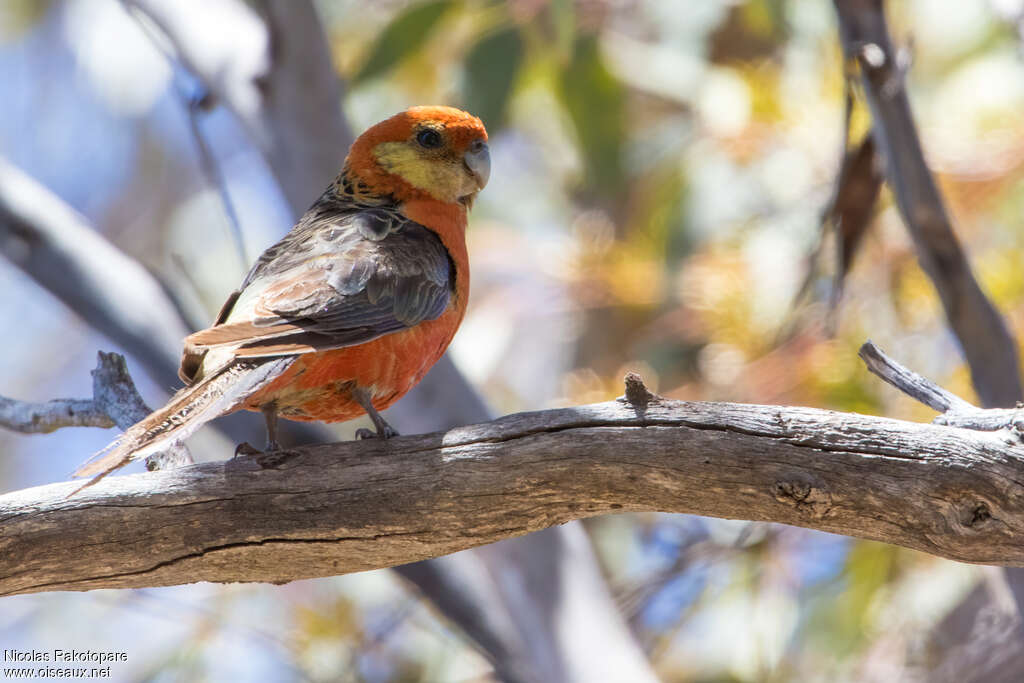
351	308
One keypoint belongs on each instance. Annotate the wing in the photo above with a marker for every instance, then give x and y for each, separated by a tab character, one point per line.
334	281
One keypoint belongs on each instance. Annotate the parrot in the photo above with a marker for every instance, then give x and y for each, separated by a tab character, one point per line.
351	308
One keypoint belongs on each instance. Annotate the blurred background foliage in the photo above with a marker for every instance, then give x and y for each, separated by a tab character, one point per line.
660	171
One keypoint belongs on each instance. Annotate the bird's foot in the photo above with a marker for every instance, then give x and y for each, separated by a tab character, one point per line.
385	433
246	448
384	430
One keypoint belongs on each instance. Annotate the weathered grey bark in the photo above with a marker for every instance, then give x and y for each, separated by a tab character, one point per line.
955	411
337	508
42	418
988	346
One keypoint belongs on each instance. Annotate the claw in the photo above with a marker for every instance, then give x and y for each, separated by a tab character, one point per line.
386	433
384	430
246	448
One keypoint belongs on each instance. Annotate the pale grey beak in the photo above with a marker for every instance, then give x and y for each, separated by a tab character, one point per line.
478	161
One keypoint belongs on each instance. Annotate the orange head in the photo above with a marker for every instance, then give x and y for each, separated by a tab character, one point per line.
435	153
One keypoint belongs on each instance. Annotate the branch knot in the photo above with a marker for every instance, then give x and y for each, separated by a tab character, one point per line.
808	497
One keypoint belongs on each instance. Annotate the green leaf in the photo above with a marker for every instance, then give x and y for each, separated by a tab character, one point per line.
595	100
491	69
406	33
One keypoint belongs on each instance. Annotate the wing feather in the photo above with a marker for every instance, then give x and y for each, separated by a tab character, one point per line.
333	282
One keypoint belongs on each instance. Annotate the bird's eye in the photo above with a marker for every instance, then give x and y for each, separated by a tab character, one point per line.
429	138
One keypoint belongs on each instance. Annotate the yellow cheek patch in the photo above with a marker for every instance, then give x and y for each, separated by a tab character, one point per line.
444	181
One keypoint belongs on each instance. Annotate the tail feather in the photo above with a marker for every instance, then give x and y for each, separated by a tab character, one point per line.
186	412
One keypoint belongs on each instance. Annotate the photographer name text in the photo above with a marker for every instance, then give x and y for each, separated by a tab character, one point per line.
65	656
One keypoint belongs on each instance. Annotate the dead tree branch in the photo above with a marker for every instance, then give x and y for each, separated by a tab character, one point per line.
332	509
43	418
909	382
98	411
956	412
115	402
988	346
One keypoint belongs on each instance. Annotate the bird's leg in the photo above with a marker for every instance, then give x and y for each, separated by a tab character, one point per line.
269	411
384	430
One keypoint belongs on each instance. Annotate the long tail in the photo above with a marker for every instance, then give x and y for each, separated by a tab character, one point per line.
186	412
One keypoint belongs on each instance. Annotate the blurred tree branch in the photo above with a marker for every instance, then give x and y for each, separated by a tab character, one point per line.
56	246
986	648
988	346
274	73
337	508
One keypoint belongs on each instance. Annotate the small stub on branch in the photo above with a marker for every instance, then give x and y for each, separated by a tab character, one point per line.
637	393
956	412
